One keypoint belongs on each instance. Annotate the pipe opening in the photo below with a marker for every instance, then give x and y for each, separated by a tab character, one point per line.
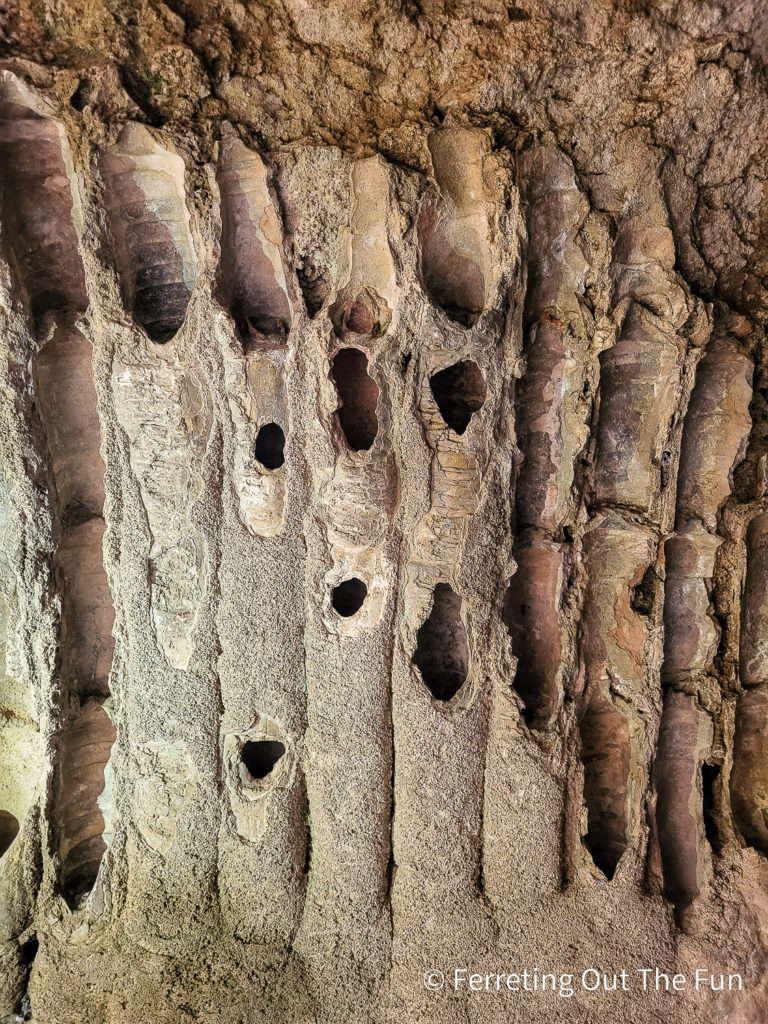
261	756
270	446
347	598
460	392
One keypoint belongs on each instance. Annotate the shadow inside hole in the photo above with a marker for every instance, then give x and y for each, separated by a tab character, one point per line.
643	595
442	648
270	446
29	950
9	829
82	95
261	756
459	391
709	776
347	598
358	395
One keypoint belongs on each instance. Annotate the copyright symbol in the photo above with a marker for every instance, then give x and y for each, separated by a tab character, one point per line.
434	980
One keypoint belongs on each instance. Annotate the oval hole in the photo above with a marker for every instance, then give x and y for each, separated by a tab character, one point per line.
261	756
459	391
442	649
358	394
348	597
9	829
270	446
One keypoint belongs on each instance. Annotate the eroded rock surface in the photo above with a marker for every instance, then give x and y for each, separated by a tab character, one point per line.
383	523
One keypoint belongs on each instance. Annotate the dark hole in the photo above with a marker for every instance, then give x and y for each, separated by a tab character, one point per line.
459	391
358	394
9	829
270	446
261	756
709	775
51	300
405	362
644	594
161	335
442	650
348	597
81	96
29	950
